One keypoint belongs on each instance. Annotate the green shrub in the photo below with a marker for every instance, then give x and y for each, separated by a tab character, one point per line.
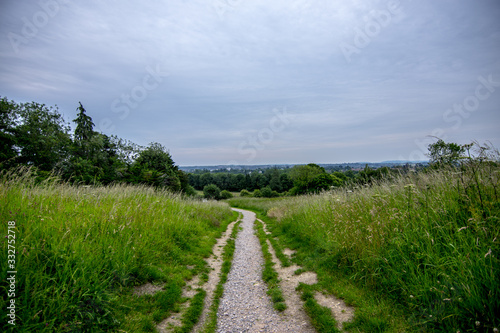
245	193
211	192
225	194
266	192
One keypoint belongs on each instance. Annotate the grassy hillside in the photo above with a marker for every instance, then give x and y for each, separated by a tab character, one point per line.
428	243
80	250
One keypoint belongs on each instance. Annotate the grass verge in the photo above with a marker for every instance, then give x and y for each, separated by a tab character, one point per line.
417	253
269	274
80	251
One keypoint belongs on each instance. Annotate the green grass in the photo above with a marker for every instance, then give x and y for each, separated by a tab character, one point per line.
193	313
321	317
269	274
418	253
80	250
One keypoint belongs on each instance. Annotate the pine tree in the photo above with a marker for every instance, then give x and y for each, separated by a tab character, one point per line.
84	125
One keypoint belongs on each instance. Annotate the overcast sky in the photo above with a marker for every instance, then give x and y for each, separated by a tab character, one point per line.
263	81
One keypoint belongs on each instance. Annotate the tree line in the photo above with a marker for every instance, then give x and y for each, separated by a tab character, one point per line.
297	180
37	136
312	178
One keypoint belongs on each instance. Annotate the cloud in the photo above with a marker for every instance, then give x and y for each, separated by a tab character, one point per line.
230	64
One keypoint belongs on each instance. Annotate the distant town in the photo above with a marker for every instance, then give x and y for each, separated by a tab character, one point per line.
354	166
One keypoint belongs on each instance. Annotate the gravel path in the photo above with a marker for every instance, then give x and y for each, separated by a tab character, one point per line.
245	306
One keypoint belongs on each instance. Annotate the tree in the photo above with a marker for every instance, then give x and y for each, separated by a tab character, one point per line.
303	177
286	182
184	180
7	132
211	192
83	134
84	125
154	166
42	136
274	179
206	179
321	182
445	154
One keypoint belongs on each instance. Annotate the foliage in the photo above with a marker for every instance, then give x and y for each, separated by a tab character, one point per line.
211	192
154	166
226	194
7	131
309	178
41	135
35	135
278	180
267	192
300	179
445	154
245	193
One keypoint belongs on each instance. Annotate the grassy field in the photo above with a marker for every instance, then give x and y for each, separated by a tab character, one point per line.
424	247
81	250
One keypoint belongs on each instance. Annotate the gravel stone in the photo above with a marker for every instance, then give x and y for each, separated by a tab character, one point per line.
245	306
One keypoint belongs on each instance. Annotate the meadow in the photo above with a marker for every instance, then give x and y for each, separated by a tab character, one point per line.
80	250
413	253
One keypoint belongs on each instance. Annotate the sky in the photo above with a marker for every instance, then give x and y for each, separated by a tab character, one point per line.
221	82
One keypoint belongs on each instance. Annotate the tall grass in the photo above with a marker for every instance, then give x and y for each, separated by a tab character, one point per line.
80	250
429	242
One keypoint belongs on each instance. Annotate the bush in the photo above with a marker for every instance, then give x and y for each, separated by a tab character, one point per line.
211	192
226	194
257	194
266	192
245	193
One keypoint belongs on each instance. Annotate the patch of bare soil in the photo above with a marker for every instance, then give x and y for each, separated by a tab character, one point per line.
147	289
289	282
342	312
289	252
265	226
